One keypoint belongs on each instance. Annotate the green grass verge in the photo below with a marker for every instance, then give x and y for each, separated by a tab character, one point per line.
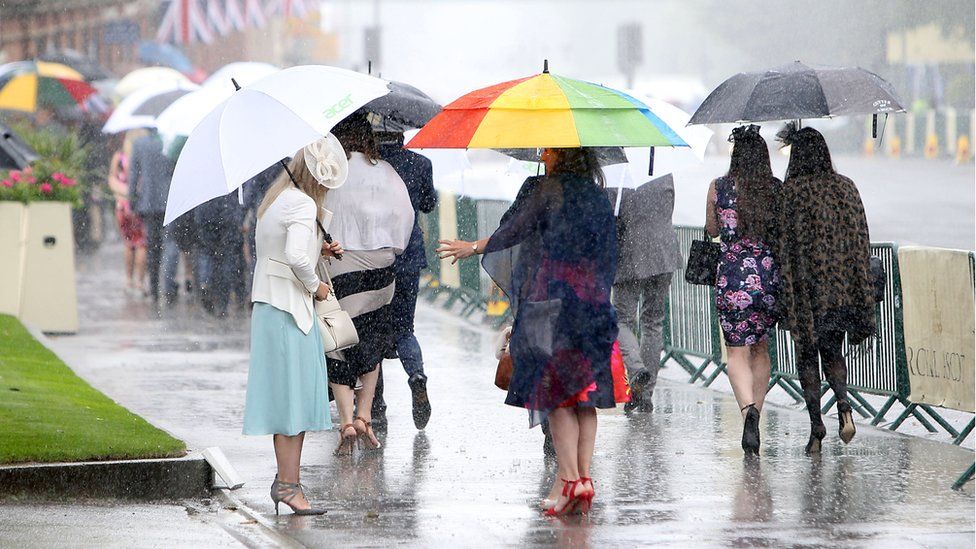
48	414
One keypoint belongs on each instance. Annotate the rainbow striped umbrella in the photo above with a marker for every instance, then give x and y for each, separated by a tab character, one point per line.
45	84
545	110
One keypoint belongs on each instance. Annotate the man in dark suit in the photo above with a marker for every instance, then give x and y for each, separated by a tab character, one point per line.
417	174
150	173
649	254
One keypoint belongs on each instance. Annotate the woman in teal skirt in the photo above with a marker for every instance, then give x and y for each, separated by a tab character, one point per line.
287	391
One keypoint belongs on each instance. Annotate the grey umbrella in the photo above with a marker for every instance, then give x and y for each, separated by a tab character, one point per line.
404	108
797	91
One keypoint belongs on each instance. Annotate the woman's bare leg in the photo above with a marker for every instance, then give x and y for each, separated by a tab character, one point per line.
740	376
565	437
128	259
344	402
139	267
761	366
288	453
587	439
364	401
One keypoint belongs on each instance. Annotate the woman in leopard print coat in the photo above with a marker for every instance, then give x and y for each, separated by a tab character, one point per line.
823	251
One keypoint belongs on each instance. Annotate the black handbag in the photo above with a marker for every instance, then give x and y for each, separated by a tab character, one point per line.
879	278
703	262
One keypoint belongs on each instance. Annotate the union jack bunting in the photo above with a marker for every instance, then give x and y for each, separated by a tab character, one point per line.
184	22
254	14
234	15
217	17
287	8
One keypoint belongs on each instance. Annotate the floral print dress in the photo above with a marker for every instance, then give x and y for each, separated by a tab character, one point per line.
747	281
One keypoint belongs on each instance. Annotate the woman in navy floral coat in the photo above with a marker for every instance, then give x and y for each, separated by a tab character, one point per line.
739	210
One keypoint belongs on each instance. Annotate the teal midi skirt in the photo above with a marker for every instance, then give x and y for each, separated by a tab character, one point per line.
287	390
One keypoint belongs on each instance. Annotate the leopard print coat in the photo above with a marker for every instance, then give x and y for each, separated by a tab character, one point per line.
823	250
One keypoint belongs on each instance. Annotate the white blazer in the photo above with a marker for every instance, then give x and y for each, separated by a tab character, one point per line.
288	245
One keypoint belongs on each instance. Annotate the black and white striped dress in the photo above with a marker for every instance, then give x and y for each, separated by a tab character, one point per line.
373	220
364	283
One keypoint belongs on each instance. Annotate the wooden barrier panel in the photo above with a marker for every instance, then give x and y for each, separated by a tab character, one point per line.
940	332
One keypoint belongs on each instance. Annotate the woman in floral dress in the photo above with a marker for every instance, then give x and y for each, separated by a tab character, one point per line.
739	210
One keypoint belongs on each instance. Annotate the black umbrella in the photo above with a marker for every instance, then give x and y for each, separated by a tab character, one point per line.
404	108
14	153
797	91
606	156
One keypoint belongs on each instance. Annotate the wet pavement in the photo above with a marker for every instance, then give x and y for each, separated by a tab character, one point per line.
472	478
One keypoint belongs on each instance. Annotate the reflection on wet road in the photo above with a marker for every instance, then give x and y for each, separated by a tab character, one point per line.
673	477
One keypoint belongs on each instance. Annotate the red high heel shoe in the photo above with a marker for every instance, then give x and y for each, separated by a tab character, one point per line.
587	497
569	491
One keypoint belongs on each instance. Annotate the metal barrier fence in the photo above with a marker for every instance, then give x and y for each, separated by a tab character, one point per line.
877	367
692	336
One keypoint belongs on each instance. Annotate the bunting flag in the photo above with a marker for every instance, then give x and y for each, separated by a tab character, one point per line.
217	17
187	21
184	22
254	14
287	8
233	14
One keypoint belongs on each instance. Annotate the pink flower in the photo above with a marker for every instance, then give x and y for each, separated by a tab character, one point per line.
46	188
7	183
730	219
749	263
28	170
740	299
15	175
30	179
68	182
767	262
722	282
753	282
57	176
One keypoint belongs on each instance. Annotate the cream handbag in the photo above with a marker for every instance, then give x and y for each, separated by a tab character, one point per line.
335	326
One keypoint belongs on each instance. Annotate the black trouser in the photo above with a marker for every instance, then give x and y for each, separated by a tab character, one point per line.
403	309
153	223
829	351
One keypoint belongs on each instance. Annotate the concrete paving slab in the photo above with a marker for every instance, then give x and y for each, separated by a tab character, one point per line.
675	477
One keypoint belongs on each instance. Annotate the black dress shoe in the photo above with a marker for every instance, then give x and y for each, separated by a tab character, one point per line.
638	398
421	404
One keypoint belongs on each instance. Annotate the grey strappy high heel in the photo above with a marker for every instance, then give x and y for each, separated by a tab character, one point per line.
285	492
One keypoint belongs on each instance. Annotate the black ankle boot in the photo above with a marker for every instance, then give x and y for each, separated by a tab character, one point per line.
750	430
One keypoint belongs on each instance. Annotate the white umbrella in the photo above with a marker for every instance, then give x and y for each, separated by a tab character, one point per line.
179	119
147	76
669	159
242	71
140	109
259	125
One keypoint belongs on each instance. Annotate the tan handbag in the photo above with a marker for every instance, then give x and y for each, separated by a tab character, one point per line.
335	326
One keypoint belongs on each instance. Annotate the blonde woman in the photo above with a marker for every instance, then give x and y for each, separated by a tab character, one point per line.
287	393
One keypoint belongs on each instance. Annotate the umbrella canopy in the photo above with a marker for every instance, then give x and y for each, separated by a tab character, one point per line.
545	110
148	76
179	119
90	69
32	84
797	91
140	109
242	71
260	124
403	108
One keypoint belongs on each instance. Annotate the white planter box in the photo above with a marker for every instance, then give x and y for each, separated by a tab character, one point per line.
13	237
48	297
